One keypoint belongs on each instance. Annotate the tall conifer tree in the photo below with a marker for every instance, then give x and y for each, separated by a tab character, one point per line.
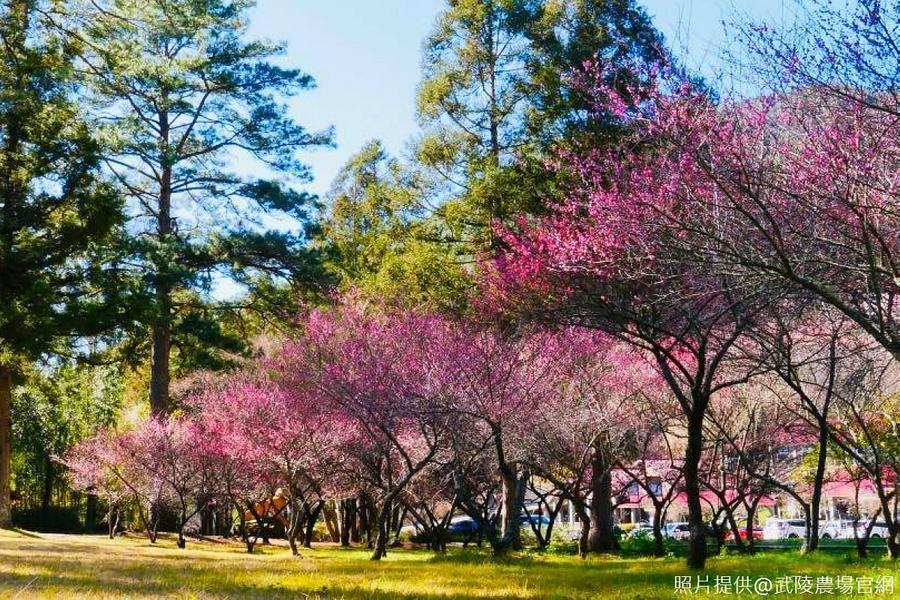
55	214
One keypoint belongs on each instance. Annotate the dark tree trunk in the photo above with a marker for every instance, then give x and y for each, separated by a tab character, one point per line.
347	519
162	332
892	546
733	526
182	523
311	519
382	531
751	517
815	503
159	370
696	558
602	538
585	534
224	521
5	445
397	517
659	544
90	513
512	501
862	541
47	485
365	519
353	506
296	519
208	520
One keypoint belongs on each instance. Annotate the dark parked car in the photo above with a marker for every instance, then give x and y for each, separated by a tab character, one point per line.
539	520
463	526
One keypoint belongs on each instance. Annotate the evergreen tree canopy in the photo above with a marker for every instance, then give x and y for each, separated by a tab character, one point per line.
501	94
380	238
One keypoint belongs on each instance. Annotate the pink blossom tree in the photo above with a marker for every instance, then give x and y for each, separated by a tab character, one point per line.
586	427
271	432
653	464
620	254
368	365
227	445
497	383
166	452
807	175
431	501
123	464
89	469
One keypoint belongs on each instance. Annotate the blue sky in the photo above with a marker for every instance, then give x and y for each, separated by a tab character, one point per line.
365	56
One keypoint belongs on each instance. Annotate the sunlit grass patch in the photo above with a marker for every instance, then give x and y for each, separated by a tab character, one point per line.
95	567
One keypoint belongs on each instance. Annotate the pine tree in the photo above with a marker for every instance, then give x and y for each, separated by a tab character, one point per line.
183	100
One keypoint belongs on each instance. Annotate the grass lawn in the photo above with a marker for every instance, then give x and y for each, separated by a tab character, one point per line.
33	566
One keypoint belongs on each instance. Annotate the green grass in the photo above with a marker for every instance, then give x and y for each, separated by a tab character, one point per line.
95	567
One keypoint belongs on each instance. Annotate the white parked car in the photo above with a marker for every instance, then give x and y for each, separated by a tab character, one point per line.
836	530
779	529
677	531
879	530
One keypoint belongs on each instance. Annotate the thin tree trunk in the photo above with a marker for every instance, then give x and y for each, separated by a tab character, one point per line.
181	541
733	526
812	539
584	535
383	527
348	520
353	507
47	485
295	523
892	546
111	521
364	508
751	517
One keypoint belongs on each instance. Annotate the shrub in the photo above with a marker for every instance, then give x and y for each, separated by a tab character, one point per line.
53	519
